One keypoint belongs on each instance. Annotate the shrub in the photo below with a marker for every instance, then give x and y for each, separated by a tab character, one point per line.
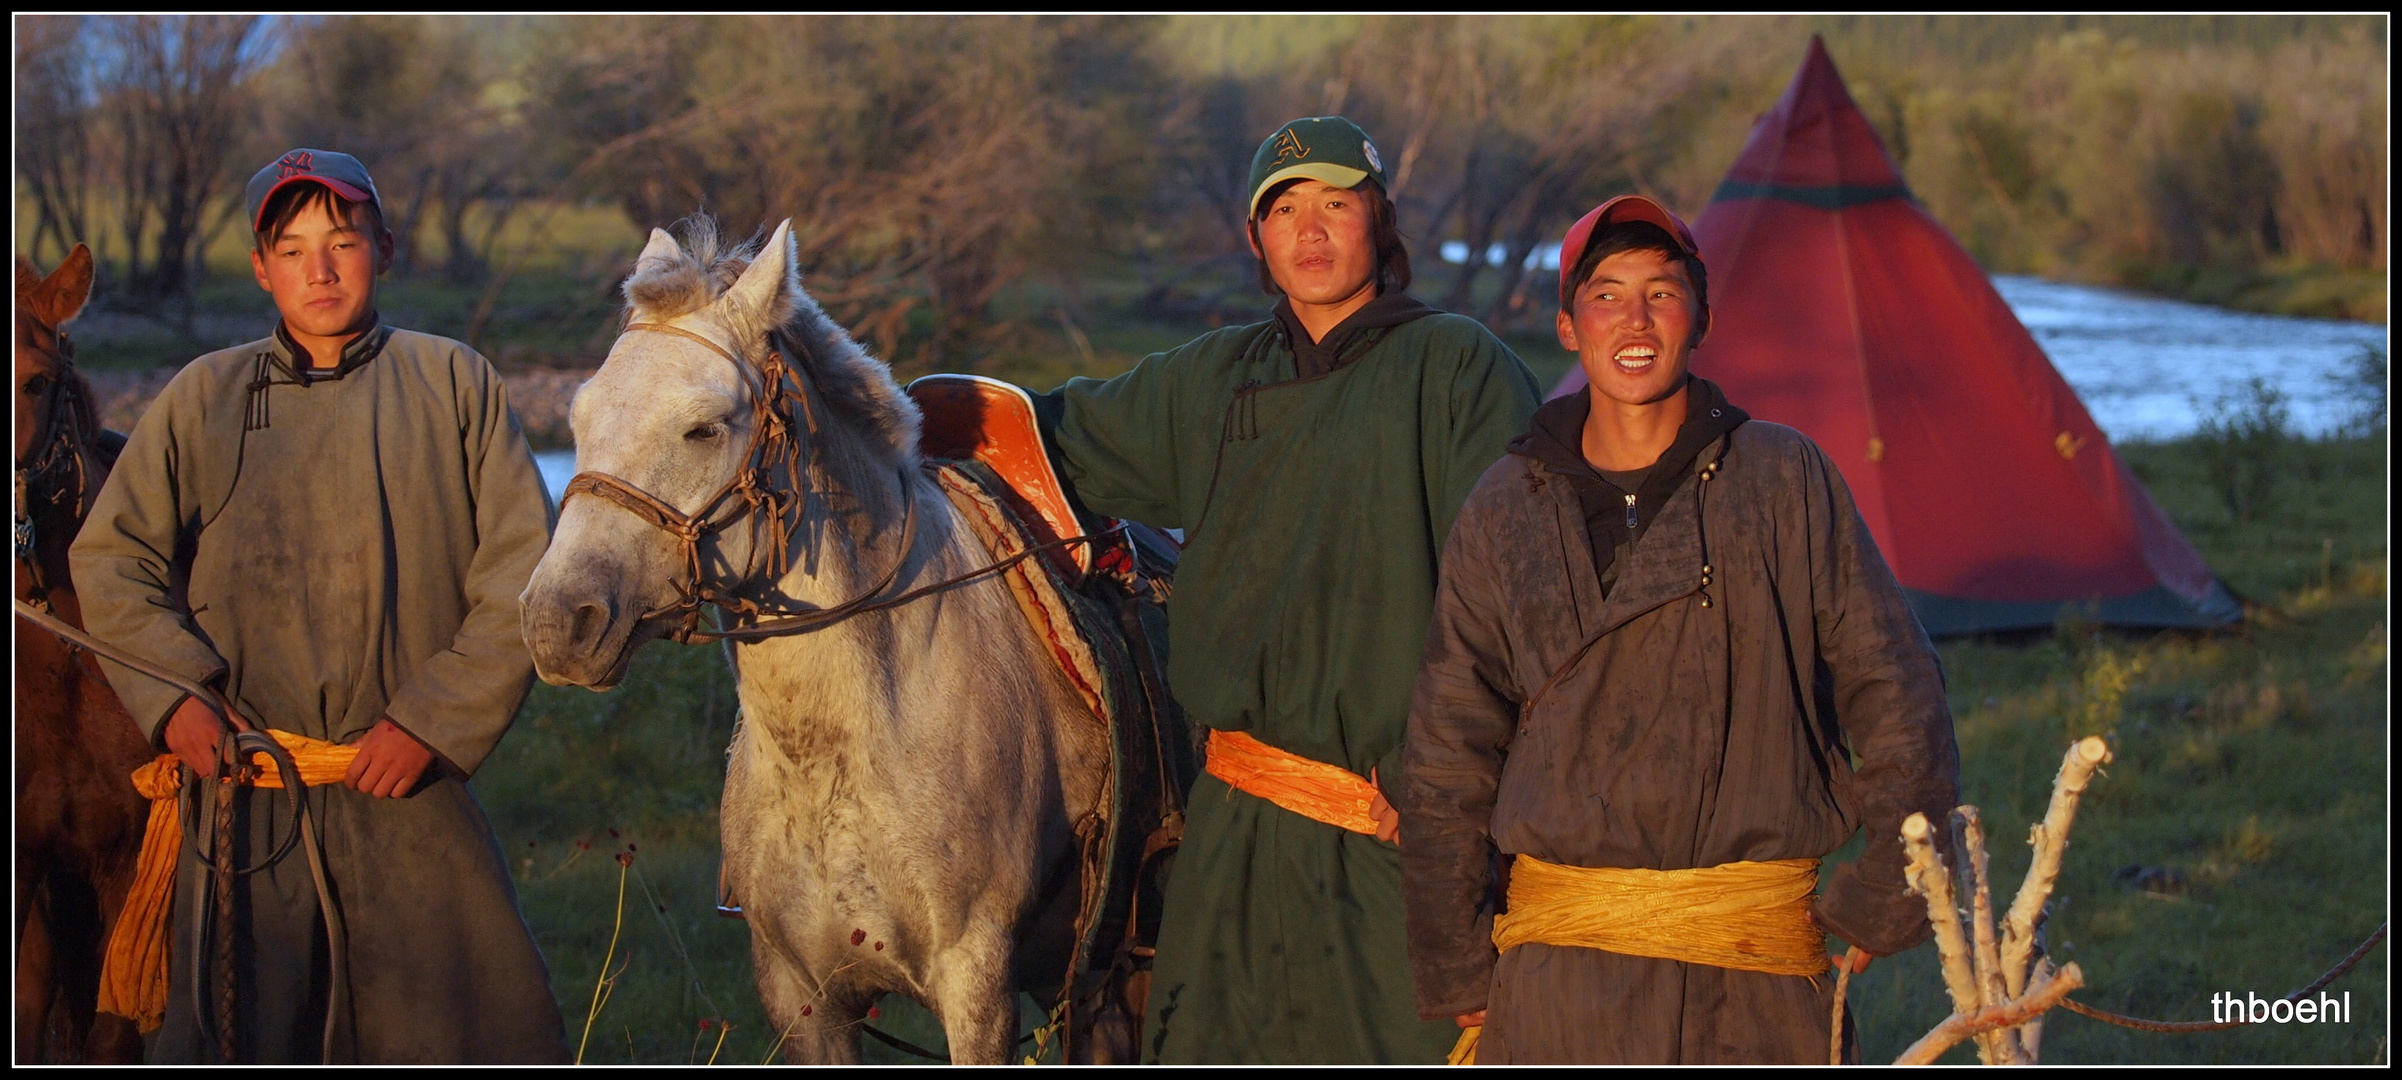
2243	438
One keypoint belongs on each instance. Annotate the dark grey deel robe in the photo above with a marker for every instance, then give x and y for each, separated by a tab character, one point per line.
1801	704
332	548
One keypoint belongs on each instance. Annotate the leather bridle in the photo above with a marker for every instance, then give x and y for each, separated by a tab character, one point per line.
60	457
774	447
778	388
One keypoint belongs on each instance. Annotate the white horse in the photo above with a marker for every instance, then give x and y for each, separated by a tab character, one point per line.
902	793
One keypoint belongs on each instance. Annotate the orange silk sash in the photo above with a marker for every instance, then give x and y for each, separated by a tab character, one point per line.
1312	789
1748	916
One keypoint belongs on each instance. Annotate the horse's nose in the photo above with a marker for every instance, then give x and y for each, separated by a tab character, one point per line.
590	620
570	622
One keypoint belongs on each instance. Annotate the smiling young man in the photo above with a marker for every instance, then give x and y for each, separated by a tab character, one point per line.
1668	672
332	525
1314	461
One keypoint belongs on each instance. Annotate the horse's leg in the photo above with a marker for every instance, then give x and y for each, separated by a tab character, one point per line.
36	986
73	924
101	1039
1104	1030
979	1009
815	1024
112	1040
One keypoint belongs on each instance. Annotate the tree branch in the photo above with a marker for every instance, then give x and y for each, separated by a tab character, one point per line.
1928	878
2009	1014
2050	840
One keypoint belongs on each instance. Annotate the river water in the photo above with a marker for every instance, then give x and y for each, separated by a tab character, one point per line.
2150	368
2147	368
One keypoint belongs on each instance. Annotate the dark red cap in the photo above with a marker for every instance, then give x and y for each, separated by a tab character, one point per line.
1621	209
335	170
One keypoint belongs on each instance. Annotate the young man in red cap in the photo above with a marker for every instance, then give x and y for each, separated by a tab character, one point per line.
332	525
1314	460
1668	672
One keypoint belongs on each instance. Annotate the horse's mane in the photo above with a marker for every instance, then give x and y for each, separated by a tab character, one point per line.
850	381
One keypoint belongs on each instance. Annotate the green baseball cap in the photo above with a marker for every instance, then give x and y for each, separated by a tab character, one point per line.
1324	148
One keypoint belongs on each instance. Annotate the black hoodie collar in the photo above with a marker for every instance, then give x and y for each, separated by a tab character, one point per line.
1335	349
297	362
1556	438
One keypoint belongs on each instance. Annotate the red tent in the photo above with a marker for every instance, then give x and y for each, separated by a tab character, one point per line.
1842	308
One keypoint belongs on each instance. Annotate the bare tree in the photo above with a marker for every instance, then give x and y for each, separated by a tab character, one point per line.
54	143
173	88
1497	127
926	163
409	96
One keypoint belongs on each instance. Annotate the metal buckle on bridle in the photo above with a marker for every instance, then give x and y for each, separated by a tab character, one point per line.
21	525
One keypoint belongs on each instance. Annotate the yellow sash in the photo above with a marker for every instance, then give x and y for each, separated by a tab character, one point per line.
1312	789
133	973
1749	916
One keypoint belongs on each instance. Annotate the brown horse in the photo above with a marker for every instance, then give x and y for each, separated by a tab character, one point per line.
79	820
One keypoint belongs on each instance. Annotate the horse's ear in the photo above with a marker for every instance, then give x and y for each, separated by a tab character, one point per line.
764	294
70	286
662	248
29	282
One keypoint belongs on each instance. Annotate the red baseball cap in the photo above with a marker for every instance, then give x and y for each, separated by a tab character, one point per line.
1620	209
335	170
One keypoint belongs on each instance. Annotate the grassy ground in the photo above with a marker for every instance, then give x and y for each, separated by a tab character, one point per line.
2238	841
2237	844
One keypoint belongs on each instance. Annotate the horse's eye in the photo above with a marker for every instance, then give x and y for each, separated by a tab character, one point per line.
37	386
703	433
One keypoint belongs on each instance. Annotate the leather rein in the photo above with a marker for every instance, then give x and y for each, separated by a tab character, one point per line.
774	447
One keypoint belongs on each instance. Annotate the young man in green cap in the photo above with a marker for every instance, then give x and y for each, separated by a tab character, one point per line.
1315	461
332	525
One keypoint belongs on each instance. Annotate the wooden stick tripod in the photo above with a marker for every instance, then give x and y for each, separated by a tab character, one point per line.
2000	984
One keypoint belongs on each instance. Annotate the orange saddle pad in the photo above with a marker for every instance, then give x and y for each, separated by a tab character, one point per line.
970	417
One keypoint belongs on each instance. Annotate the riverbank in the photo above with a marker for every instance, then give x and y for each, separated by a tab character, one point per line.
2315	291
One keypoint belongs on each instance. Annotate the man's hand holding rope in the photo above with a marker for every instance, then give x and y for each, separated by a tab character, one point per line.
193	733
390	763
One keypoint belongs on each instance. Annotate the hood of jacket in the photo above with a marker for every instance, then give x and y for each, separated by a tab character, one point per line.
1315	358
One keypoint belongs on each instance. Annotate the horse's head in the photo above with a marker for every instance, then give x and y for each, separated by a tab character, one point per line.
47	383
728	394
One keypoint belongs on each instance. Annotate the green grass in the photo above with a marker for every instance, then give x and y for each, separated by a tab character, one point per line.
2250	764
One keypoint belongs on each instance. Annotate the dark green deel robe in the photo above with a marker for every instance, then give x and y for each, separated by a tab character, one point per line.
333	548
1314	509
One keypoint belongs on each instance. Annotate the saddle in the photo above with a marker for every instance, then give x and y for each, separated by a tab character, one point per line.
1102	608
972	418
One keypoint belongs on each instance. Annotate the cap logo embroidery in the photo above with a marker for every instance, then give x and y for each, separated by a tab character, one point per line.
1369	149
1288	145
295	163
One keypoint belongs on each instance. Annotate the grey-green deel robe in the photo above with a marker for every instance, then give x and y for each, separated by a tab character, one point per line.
1313	510
331	548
